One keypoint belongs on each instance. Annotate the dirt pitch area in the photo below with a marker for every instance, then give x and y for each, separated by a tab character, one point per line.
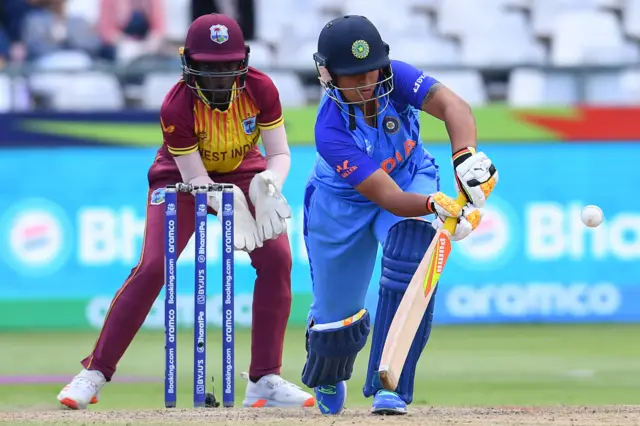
557	416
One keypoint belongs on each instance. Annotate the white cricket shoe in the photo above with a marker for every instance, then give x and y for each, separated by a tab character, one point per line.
83	390
274	391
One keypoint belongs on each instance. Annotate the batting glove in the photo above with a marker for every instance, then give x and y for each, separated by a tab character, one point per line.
476	176
468	221
443	206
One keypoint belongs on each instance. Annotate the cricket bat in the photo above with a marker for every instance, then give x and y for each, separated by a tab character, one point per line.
414	303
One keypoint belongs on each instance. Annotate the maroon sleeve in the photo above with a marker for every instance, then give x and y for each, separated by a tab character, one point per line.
177	121
267	100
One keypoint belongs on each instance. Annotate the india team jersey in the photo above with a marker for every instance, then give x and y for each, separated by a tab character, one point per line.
348	155
223	138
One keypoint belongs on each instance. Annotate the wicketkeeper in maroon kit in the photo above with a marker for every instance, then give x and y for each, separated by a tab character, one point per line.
212	120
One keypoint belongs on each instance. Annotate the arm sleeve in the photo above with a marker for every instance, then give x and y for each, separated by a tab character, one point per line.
270	115
192	169
277	151
177	122
338	148
410	84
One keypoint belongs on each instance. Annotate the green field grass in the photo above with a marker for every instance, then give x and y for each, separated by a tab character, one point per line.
496	123
462	365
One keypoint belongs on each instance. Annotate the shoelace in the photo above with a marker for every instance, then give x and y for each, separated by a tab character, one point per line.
83	380
282	382
276	381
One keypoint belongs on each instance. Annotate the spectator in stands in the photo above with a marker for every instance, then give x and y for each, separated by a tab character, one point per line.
132	28
240	10
246	17
205	7
55	38
12	13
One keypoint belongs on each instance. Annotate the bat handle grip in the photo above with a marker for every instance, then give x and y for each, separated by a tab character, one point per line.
451	222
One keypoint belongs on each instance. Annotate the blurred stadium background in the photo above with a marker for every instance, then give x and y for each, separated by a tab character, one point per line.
555	86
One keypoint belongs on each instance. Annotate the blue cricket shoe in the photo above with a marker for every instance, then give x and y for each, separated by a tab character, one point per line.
387	402
330	398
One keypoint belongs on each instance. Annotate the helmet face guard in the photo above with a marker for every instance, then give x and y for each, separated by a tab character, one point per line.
381	89
216	83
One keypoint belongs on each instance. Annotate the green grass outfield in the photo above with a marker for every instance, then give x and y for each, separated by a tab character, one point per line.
462	365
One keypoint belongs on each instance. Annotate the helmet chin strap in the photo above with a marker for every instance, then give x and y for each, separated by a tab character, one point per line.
367	108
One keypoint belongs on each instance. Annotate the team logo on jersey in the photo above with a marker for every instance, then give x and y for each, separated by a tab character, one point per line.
157	197
249	125
360	49
391	124
167	129
345	169
219	33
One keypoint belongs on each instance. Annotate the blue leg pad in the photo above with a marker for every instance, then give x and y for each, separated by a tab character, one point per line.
404	248
332	350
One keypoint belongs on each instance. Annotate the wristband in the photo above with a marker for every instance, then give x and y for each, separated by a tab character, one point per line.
461	156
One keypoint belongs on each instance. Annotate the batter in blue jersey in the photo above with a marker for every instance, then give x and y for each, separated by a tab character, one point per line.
375	184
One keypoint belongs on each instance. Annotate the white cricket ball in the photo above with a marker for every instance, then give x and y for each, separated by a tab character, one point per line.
592	216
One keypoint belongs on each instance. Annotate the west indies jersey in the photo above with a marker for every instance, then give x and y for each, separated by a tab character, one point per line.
223	138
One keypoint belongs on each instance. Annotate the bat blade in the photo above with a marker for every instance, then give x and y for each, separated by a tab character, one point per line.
411	310
414	304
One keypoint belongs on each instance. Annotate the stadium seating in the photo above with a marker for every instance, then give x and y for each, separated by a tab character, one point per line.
467	83
5	93
530	87
613	88
292	92
155	87
83	91
524	36
178	17
528	41
429	50
576	43
87	9
631	19
261	55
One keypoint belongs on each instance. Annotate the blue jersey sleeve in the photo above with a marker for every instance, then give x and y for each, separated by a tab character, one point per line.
338	148
410	85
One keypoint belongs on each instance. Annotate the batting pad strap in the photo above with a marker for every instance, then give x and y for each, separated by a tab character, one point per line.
332	349
404	248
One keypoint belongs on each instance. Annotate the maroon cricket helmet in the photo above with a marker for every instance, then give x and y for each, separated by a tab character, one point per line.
215	38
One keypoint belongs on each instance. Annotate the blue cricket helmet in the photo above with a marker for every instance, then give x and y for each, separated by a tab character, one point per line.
351	45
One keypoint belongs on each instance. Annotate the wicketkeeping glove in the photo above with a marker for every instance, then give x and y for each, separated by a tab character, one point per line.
245	235
271	207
